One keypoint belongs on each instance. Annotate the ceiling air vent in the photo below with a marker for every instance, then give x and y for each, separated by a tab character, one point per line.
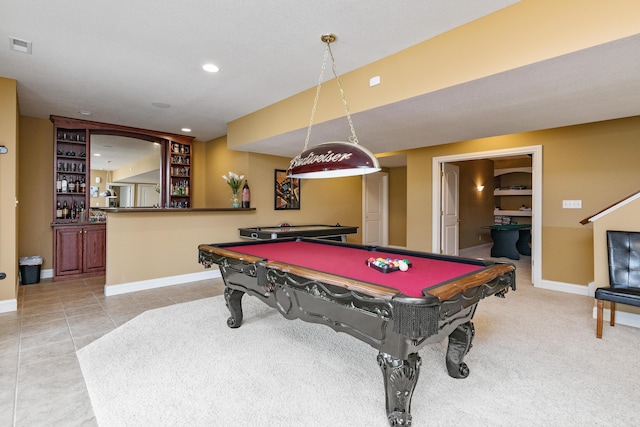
20	45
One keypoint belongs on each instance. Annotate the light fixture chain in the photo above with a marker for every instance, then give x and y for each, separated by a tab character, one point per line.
315	101
332	159
353	138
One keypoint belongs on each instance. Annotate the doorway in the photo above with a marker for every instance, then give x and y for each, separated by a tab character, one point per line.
536	198
122	195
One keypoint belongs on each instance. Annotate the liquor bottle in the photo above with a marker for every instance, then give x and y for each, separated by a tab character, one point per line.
72	212
65	210
58	184
78	184
65	183
71	186
246	195
83	186
59	210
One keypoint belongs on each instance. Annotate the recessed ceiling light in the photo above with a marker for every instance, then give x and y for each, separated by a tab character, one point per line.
210	68
85	112
186	130
97	154
160	105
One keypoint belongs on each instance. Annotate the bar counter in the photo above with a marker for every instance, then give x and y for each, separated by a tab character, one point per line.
153	247
172	210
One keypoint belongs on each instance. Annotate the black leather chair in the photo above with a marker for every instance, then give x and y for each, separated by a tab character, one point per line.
624	274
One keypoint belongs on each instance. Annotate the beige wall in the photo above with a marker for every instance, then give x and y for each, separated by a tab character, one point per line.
325	201
9	179
36	189
96	202
137	167
397	206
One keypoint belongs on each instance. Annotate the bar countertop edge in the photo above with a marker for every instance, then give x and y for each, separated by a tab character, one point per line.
173	210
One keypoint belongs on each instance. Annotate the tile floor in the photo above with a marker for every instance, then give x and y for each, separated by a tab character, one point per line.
41	383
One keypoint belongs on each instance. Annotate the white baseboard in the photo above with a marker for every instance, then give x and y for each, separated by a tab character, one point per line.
476	248
622	317
592	289
568	288
8	305
46	274
124	288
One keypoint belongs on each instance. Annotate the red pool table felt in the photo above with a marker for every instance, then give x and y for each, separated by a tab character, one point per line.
351	263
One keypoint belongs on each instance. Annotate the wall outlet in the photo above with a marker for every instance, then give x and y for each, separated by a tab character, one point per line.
572	204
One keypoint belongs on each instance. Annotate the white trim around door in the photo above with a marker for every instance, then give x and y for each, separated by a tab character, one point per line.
536	198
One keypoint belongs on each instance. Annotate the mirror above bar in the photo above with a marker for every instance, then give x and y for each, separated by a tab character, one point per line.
136	167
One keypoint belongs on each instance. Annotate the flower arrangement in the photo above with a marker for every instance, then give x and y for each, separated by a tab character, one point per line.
234	180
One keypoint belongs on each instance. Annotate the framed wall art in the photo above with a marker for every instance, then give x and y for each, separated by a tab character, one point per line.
286	191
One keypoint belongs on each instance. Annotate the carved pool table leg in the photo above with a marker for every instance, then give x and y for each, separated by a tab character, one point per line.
459	344
233	298
400	378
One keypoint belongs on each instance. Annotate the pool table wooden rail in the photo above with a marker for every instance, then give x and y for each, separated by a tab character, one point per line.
447	290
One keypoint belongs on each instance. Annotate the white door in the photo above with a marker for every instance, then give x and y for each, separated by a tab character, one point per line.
450	209
375	209
148	196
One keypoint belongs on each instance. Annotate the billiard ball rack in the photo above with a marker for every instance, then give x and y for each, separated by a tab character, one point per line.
387	265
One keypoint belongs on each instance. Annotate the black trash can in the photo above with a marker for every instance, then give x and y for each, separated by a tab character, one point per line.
30	269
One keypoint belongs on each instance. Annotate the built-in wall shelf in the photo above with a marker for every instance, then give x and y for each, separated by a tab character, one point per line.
525	192
512	191
512	212
498	172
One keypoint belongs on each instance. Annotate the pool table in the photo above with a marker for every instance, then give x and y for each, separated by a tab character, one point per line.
396	312
330	232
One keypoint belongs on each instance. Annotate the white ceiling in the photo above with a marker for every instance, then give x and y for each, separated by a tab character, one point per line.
595	84
116	58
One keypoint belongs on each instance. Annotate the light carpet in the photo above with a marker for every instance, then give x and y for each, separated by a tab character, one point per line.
535	361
